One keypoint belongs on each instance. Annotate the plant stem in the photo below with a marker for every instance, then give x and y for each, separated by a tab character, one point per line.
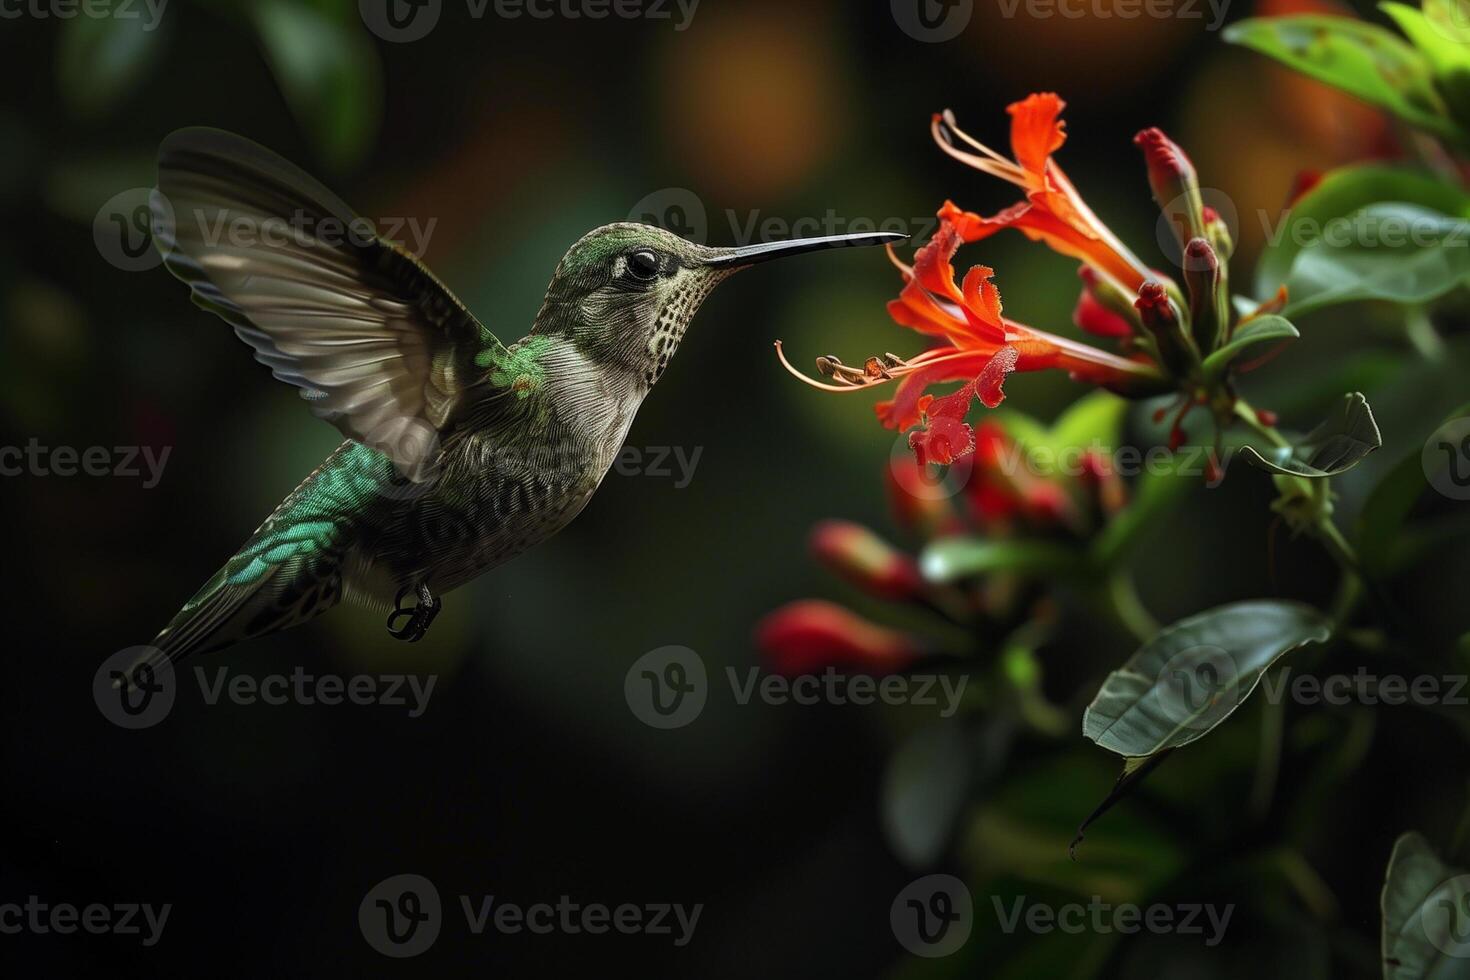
1273	718
1129	608
1350	588
1422	335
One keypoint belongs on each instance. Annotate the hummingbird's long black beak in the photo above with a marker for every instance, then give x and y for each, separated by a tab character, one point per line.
751	254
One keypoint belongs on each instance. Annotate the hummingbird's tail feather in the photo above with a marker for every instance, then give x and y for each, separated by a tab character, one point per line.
251	596
290	570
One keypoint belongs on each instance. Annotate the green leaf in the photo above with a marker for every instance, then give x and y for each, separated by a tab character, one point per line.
329	74
1194	674
1335	446
1442	33
1441	41
951	559
1395	252
1382	543
101	60
1262	329
1362	59
1095	419
924	789
1341	193
1426	915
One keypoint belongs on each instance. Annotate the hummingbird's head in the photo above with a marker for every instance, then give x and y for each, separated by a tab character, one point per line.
625	293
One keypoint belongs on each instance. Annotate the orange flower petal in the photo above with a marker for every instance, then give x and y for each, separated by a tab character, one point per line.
988	385
903	410
982	304
1037	130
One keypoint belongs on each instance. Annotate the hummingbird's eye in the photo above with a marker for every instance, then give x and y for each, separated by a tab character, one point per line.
643	265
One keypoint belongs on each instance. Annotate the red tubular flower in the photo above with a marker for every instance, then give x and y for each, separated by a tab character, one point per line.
983	349
1097	319
915	503
809	636
1052	212
1003	488
866	560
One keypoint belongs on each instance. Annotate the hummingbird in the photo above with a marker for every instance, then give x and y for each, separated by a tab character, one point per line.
459	452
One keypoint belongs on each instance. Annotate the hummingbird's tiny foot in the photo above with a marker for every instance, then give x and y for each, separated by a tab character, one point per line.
419	616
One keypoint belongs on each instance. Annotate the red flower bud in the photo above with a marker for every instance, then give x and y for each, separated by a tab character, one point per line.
1207	300
1161	320
866	560
1219	234
810	635
1175	183
1097	319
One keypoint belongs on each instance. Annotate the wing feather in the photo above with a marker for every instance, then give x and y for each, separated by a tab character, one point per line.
379	347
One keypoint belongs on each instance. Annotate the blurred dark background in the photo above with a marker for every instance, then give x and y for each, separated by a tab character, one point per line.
528	777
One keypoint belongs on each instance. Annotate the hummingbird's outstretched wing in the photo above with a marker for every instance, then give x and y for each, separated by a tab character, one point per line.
378	345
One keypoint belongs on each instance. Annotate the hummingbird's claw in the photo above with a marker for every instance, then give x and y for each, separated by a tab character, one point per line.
419	616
